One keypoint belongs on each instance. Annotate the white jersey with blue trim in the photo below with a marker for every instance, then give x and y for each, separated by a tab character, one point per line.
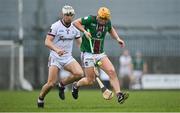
63	37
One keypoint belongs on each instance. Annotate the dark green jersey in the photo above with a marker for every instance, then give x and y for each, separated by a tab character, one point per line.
98	33
138	64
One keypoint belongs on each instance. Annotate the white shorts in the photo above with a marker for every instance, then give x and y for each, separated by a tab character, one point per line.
137	74
87	58
60	62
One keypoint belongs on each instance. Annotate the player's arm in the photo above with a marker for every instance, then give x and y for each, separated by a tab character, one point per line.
145	68
50	45
78	24
78	41
131	66
115	36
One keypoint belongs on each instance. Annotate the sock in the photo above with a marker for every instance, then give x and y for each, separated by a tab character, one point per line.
61	84
75	86
119	94
40	99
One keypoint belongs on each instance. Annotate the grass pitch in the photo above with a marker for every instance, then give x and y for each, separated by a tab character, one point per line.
91	101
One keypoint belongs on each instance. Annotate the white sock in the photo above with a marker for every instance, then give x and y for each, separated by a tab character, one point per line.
40	101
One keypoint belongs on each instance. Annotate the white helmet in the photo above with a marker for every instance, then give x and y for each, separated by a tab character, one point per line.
68	10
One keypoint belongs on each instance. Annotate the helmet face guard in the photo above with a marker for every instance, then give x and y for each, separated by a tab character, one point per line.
67	14
104	13
68	10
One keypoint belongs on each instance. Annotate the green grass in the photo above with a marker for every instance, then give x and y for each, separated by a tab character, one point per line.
91	101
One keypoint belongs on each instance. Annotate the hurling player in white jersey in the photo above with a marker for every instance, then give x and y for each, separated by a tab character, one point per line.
60	41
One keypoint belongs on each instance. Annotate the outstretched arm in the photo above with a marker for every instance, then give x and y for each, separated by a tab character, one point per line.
115	36
78	24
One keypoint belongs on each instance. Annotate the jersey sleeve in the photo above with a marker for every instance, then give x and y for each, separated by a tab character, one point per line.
86	20
53	30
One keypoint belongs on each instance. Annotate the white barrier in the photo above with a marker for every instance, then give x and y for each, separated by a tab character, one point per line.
161	81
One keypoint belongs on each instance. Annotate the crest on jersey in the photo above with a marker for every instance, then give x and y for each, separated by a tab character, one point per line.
99	34
67	31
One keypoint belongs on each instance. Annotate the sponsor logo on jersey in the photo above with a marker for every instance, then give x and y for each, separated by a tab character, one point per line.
61	30
63	38
92	24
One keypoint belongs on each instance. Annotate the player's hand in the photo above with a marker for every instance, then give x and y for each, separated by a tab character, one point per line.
121	42
87	34
60	52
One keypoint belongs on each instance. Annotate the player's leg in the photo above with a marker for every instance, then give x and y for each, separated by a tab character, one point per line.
85	81
52	78
88	79
76	73
110	70
87	63
88	67
137	79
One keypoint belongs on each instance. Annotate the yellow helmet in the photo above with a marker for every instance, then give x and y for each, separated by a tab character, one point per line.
104	13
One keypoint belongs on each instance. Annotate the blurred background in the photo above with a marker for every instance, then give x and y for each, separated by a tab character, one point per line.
151	27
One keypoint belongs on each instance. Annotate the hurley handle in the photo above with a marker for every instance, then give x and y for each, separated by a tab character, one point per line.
90	42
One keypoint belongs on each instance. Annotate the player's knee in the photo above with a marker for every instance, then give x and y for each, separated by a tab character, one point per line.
111	73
